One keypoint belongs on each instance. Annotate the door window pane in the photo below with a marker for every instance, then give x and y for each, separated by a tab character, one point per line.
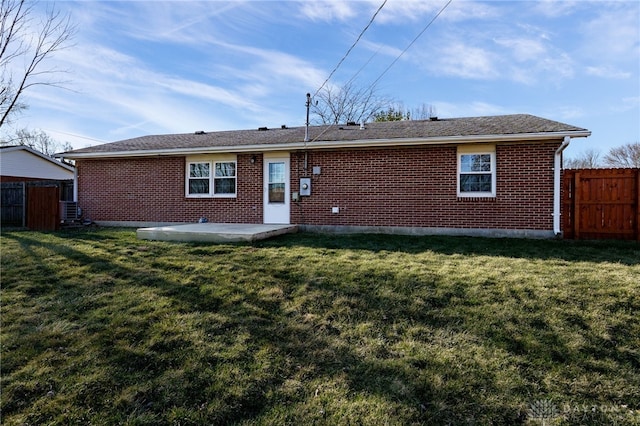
276	182
276	172
276	192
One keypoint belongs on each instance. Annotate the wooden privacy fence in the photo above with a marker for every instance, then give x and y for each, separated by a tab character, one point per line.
33	204
13	201
601	204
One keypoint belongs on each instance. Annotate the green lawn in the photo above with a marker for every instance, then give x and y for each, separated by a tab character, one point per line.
101	328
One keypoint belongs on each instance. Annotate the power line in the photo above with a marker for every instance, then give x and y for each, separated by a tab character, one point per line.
74	135
390	65
364	66
411	44
351	48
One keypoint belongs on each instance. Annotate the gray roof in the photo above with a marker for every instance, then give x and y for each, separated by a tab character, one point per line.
466	128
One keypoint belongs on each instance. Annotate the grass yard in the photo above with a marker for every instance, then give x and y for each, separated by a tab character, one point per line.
101	328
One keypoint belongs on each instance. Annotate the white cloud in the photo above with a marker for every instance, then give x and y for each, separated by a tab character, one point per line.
607	71
565	112
124	91
557	66
523	49
488	48
398	12
614	33
555	8
468	109
339	10
171	22
108	76
116	87
626	104
381	48
462	60
272	67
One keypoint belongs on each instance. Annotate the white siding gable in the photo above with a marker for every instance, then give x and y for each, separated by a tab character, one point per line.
24	162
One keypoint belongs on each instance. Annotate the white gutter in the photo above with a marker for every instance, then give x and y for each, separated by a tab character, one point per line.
557	169
361	143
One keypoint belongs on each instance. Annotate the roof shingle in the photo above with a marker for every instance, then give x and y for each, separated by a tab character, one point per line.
411	129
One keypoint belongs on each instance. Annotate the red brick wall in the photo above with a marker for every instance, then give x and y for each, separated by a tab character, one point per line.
153	190
414	186
417	187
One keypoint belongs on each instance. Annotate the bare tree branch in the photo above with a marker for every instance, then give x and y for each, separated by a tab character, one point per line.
348	104
13	20
38	140
624	156
590	159
53	34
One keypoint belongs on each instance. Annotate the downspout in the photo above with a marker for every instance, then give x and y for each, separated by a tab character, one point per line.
75	184
557	169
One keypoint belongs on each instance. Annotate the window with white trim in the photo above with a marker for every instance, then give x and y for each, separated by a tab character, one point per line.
224	179
476	174
199	179
211	179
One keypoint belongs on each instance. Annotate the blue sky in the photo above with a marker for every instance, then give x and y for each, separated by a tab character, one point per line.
152	67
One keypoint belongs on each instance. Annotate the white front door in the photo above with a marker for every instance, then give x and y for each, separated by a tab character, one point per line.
276	189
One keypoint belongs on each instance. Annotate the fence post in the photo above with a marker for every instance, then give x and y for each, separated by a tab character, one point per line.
24	204
569	205
576	204
637	203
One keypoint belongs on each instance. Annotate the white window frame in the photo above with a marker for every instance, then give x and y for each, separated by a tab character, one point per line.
460	172
212	177
189	178
234	177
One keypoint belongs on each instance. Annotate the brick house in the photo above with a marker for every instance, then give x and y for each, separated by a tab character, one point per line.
496	175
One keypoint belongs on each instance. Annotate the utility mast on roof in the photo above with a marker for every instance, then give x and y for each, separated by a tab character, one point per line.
306	130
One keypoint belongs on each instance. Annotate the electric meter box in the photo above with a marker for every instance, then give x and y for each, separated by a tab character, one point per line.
305	187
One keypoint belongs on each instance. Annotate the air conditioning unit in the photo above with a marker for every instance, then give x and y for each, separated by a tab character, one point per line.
69	211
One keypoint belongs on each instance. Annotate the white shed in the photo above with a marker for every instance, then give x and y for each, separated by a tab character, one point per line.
24	162
37	191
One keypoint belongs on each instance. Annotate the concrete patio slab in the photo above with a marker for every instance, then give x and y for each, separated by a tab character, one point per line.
214	232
